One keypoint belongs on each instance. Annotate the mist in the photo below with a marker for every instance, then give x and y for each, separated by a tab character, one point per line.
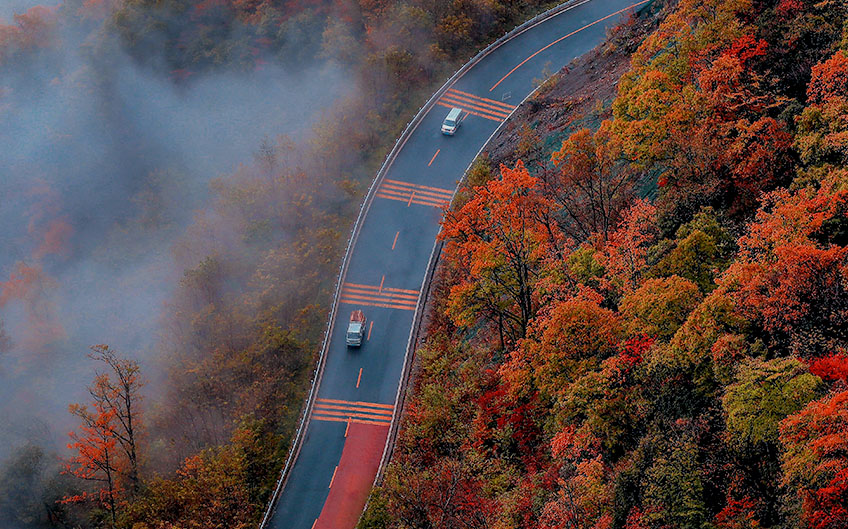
10	8
103	164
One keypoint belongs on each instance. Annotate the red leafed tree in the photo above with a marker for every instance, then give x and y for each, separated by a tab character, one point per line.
827	507
501	238
792	272
823	126
96	458
815	461
829	79
738	514
831	368
106	445
751	152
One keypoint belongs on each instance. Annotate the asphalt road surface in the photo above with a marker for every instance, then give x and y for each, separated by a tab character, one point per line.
347	431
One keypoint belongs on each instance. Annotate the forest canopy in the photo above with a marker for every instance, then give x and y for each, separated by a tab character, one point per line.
647	328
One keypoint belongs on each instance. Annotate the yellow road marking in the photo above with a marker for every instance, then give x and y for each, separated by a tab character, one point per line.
378	302
387	295
501	104
387	289
341	415
422	193
350	419
420	200
332	479
338	410
448	105
354	301
359	378
399	299
434	157
418	186
395	241
482	107
358	403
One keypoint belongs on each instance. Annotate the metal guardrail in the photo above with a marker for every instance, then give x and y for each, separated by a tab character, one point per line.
294	451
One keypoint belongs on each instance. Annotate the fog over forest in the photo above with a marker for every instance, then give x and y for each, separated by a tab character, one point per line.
10	8
104	162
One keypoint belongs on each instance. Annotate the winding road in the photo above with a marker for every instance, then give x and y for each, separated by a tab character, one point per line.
353	402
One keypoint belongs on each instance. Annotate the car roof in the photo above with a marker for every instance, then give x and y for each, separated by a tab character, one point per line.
454	113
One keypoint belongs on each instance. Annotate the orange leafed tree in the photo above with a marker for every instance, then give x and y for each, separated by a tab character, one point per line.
590	184
501	238
625	254
106	445
96	458
792	272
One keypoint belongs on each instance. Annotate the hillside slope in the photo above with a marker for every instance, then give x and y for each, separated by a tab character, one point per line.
594	359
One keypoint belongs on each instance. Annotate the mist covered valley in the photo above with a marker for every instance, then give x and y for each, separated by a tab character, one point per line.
107	163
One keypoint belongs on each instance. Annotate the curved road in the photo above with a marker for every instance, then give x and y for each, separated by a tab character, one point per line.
348	427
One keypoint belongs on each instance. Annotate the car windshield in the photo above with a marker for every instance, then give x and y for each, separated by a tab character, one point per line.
449	123
353	335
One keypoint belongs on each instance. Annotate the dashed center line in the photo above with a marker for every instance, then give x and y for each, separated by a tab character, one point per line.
434	157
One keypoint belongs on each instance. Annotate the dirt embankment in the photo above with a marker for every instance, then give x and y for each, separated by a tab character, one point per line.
579	95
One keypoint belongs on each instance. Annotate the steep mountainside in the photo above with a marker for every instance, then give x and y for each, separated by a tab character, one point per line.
640	320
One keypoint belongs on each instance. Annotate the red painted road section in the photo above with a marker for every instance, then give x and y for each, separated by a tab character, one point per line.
352	481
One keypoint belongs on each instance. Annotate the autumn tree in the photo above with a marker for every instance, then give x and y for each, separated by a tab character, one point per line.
674	492
591	185
583	499
814	462
96	458
625	256
693	112
700	251
567	339
106	445
791	275
501	237
831	368
822	138
766	392
660	306
224	486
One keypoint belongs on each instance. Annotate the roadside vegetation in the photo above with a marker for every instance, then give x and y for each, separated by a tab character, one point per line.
643	325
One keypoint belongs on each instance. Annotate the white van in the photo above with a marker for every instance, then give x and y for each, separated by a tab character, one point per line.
452	121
